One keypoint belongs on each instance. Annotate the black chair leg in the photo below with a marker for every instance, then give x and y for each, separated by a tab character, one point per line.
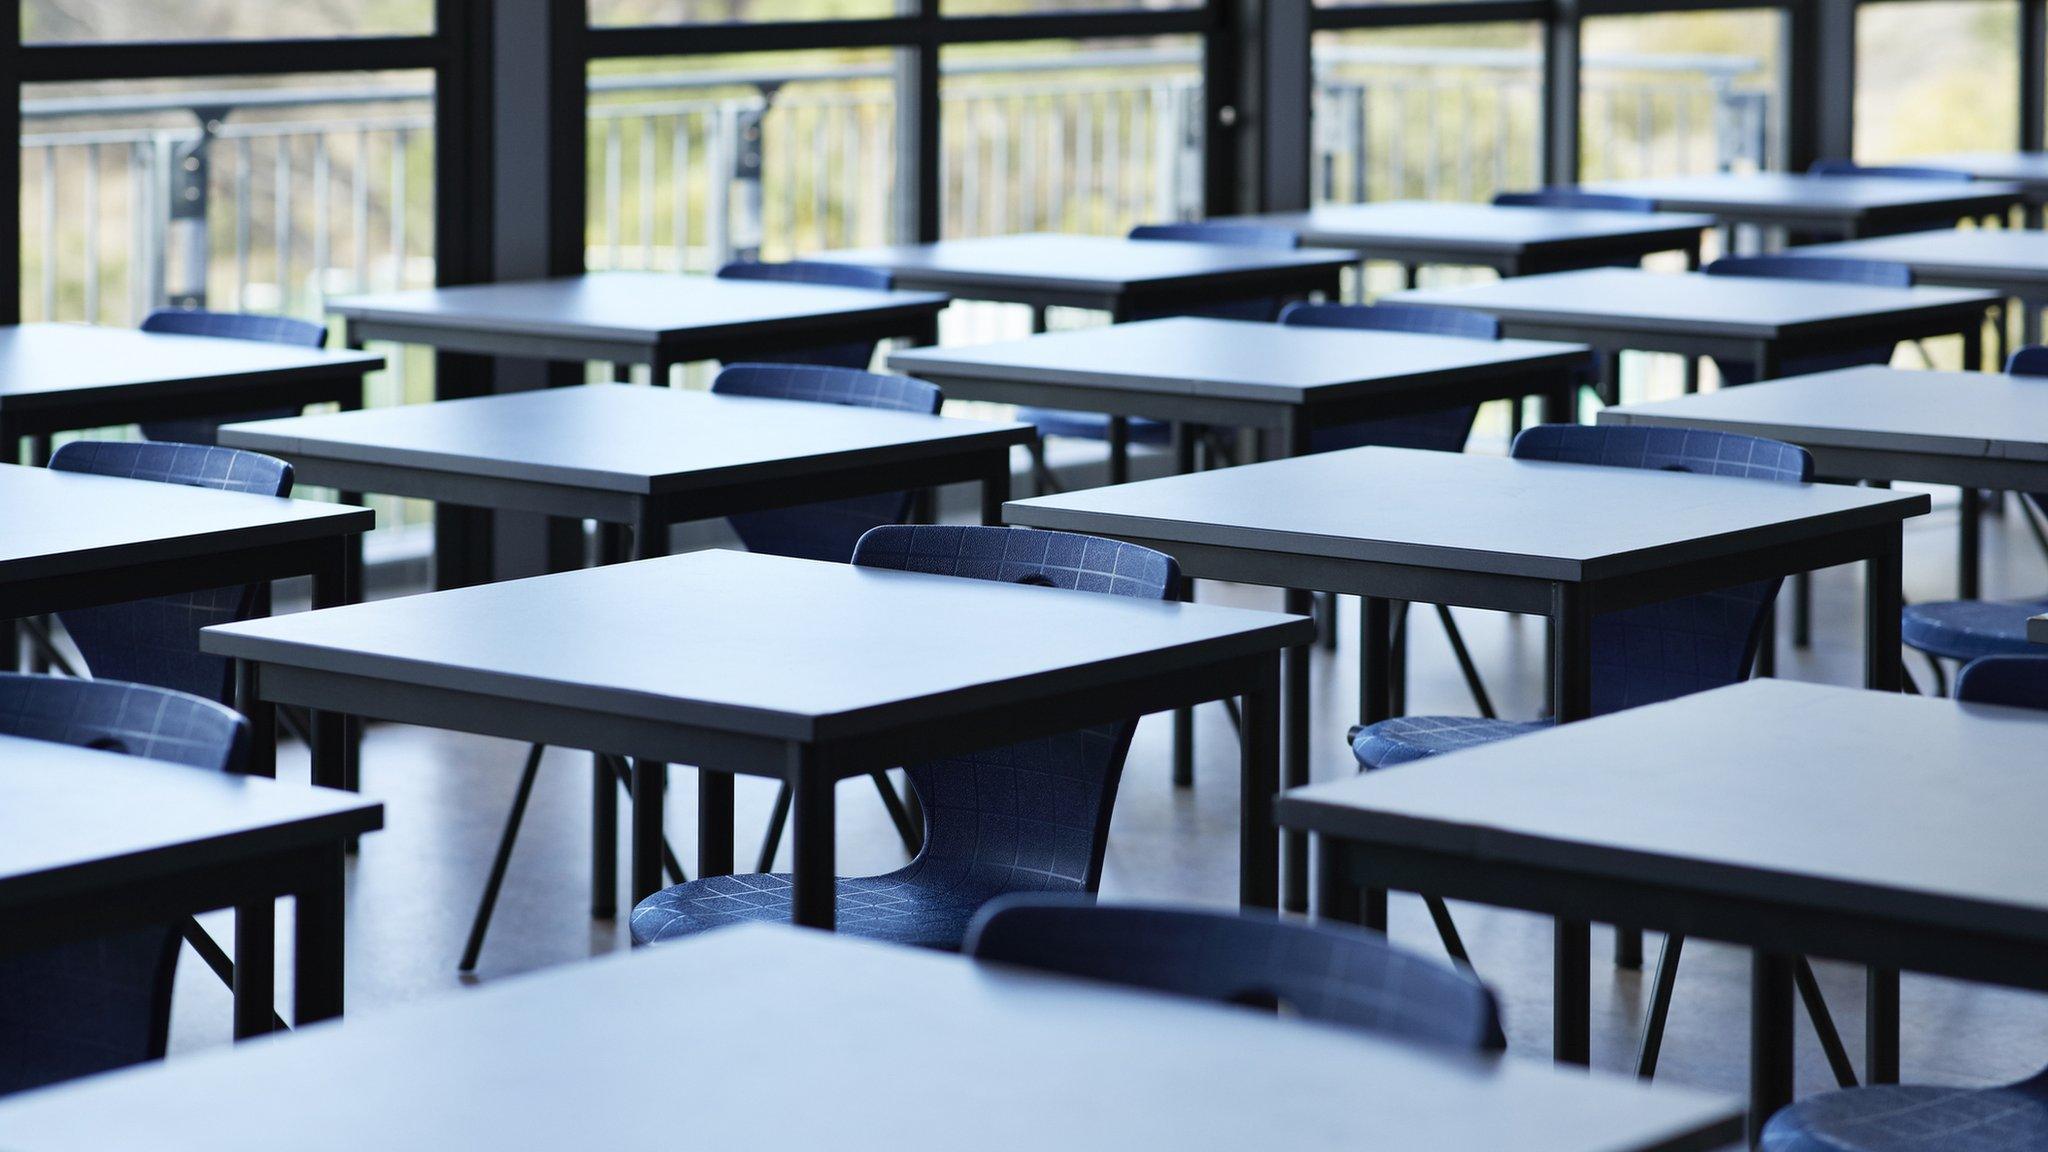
1041	472
215	957
909	825
1940	674
1326	620
1447	930
481	923
1660	1006
913	836
1628	947
669	860
1823	1023
771	840
1465	664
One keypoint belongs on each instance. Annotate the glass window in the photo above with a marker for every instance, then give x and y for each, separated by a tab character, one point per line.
1939	76
628	13
1445	113
68	21
1680	92
697	161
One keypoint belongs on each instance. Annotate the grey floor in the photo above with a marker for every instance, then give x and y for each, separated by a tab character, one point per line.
414	884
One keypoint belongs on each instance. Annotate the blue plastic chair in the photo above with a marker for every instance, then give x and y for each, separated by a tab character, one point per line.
99	1004
1877	273
1892	171
1906	1117
226	326
1323	972
1095	425
1965	630
827	530
1570	197
1032	816
1442	431
156	641
856	354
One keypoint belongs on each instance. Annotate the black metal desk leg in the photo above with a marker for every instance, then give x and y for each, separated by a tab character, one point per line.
1376	660
995	488
330	732
1881	605
814	891
317	943
1337	898
1970	544
650	788
1770	1038
1184	720
262	719
1571	1026
255	967
1572	654
1973	347
714	823
1258	842
1881	1026
1295	756
604	838
1119	450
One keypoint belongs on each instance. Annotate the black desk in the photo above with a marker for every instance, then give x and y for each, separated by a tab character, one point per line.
77	541
1844	206
2029	170
1564	541
795	1040
1121	277
1513	240
654	318
1888	830
69	377
1763	322
759	665
1976	430
93	843
2010	262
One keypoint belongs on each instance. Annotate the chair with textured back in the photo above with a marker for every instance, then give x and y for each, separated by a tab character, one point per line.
1566	196
1964	630
1877	273
1322	972
156	641
1119	430
1032	816
1445	430
1639	656
226	326
826	530
103	1003
1926	1118
852	354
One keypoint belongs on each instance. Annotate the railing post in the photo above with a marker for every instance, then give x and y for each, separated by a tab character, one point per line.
187	255
746	229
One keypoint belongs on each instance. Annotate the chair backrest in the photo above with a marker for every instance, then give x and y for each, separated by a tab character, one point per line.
1262	309
156	641
857	354
1791	266
1895	171
226	326
828	529
2029	361
1569	197
1337	975
1694	643
1444	430
1032	816
103	1003
2015	681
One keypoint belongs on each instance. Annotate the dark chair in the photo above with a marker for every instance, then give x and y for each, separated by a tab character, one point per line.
1904	1117
1098	425
857	354
827	530
1892	171
1877	273
105	1003
1032	816
1640	655
1965	630
226	326
1566	196
1445	430
1322	972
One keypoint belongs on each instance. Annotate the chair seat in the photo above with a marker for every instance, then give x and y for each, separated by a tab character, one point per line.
1967	629
889	908
1915	1118
1407	738
1092	425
